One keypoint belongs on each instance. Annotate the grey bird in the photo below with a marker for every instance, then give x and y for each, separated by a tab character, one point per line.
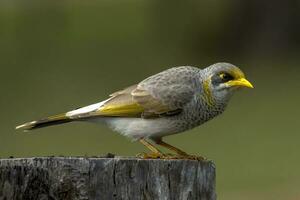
170	102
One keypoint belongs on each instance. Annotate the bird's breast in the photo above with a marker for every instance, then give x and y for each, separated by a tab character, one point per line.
199	112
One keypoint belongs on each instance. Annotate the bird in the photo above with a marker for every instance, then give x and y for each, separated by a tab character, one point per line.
170	102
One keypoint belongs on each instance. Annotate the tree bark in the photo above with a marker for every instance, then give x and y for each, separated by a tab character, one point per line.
80	178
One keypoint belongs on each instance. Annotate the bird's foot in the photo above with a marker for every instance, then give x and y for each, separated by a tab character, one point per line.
150	155
169	156
184	157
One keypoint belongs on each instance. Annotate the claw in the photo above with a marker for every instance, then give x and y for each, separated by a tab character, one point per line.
150	156
169	156
192	157
185	157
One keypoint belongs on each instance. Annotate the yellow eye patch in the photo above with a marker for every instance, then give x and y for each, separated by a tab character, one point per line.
222	75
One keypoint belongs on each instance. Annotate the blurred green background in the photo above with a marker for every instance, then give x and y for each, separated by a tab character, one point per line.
59	55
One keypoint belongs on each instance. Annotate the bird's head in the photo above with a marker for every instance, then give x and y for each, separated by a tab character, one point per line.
222	79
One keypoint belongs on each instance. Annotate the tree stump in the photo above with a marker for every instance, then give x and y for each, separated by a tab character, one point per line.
81	178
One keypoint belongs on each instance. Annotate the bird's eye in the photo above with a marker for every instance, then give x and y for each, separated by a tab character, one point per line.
226	77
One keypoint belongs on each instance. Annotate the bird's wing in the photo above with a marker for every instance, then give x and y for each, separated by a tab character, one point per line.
162	101
130	102
168	91
121	104
163	94
135	101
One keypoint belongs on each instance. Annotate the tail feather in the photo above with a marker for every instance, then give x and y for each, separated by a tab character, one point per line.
49	121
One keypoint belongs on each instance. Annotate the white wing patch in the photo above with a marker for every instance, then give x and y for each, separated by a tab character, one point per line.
80	112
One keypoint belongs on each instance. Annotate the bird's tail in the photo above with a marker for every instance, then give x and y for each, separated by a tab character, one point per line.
49	121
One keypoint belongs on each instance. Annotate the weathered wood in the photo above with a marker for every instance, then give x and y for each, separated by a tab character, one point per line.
66	178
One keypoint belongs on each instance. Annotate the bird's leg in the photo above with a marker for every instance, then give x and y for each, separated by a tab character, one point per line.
155	152
170	147
180	153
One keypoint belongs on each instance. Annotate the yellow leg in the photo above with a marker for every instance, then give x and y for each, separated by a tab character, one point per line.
170	147
181	153
155	152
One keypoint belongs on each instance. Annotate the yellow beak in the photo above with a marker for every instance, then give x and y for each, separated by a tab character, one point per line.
241	82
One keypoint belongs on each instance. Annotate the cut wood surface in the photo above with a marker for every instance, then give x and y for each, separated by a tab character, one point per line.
79	178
